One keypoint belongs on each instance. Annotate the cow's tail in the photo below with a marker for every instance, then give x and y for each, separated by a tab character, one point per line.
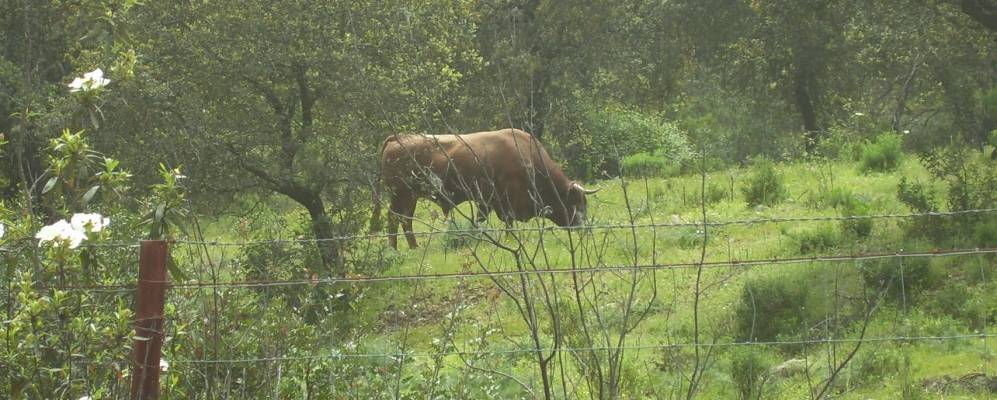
375	219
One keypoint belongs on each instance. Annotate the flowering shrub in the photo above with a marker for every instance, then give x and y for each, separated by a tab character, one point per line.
93	80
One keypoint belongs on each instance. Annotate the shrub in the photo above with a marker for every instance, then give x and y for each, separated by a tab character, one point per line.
837	197
873	364
765	185
645	165
985	232
916	276
882	155
816	240
971	179
748	367
609	133
856	207
777	306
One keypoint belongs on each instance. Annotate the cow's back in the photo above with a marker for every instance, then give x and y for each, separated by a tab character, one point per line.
498	167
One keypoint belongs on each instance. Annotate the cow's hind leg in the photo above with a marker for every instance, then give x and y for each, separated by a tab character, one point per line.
399	205
408	215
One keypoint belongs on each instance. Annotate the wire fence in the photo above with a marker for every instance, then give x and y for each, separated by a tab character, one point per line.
493	314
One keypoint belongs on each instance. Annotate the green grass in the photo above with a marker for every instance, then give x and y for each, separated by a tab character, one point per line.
487	319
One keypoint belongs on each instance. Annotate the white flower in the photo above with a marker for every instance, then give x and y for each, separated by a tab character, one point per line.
3	229
61	231
163	365
90	80
858	114
89	222
86	398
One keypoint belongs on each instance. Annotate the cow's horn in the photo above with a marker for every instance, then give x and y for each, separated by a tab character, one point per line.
586	191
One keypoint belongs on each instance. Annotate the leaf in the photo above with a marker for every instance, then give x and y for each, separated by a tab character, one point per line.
175	272
89	194
160	211
174	221
50	184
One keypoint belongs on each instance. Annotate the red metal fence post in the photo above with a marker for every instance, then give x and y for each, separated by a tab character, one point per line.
152	282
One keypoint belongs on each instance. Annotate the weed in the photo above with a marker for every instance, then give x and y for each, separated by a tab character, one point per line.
883	155
765	186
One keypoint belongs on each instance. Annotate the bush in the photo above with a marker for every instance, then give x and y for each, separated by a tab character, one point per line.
748	367
917	276
610	133
778	306
882	155
916	196
873	364
817	240
856	207
765	185
971	179
837	197
645	165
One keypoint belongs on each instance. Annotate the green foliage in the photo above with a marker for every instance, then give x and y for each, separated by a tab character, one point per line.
916	195
69	339
971	179
873	365
610	133
749	368
774	307
646	165
715	193
765	185
463	234
817	240
902	280
882	155
167	210
837	197
856	207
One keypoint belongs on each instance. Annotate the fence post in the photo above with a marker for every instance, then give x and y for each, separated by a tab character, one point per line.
148	341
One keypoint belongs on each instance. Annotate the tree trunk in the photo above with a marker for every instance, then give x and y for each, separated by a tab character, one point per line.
322	226
324	233
805	105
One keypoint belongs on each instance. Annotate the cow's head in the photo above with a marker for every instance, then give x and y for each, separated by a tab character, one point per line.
575	210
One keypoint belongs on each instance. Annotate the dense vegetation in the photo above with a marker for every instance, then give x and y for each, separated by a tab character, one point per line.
242	130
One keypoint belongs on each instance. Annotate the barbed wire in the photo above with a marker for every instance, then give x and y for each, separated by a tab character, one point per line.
536	271
434	232
338	355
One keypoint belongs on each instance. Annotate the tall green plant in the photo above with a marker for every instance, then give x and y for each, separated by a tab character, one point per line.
765	185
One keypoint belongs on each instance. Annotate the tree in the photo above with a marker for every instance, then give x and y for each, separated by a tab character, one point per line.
44	43
293	97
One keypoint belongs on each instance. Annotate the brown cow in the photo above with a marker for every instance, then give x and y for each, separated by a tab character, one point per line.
507	171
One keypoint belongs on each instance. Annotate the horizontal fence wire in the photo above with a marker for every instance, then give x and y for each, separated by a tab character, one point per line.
537	271
592	227
435	232
338	355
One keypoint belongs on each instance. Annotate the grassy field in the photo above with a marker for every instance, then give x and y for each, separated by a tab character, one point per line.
473	334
